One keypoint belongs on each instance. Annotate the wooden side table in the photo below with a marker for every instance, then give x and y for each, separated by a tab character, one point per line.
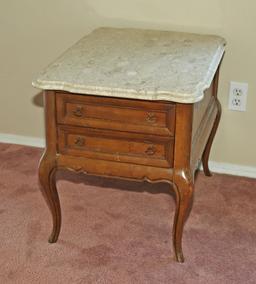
133	104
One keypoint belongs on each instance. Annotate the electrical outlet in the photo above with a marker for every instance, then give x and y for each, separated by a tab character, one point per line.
237	96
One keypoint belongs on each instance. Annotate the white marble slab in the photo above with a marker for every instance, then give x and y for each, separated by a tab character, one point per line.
137	64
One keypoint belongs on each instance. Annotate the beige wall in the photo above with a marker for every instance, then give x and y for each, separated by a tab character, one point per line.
33	33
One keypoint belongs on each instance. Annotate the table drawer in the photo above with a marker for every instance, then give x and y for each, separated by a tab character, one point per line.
116	114
116	146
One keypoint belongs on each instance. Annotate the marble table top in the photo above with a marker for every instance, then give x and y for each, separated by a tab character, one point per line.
137	64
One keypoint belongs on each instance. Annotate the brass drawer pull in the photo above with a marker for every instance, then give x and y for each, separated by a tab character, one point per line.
151	117
79	141
151	150
79	111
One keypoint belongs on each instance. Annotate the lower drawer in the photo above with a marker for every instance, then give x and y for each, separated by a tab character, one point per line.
116	146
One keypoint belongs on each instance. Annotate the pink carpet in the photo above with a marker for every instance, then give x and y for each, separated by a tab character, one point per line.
120	232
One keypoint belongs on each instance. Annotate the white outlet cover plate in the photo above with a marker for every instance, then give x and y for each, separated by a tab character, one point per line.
237	96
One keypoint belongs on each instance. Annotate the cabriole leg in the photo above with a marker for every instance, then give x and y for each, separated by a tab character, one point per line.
184	190
207	150
47	170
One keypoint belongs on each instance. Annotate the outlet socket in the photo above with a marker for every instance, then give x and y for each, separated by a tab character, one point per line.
237	96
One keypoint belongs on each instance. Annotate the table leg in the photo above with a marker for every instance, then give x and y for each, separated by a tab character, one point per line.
47	170
207	150
184	190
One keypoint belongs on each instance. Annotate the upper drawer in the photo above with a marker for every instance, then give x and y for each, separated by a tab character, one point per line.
117	114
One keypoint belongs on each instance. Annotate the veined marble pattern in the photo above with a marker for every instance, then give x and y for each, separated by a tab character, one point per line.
137	64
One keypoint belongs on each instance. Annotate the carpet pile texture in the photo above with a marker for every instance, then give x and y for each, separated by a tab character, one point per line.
120	232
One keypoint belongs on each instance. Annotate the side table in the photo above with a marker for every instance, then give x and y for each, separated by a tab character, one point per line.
133	104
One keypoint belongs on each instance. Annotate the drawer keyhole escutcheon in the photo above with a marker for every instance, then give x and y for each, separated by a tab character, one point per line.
151	117
79	111
80	141
151	150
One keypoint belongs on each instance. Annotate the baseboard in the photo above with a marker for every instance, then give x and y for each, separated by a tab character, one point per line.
216	167
232	169
22	140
